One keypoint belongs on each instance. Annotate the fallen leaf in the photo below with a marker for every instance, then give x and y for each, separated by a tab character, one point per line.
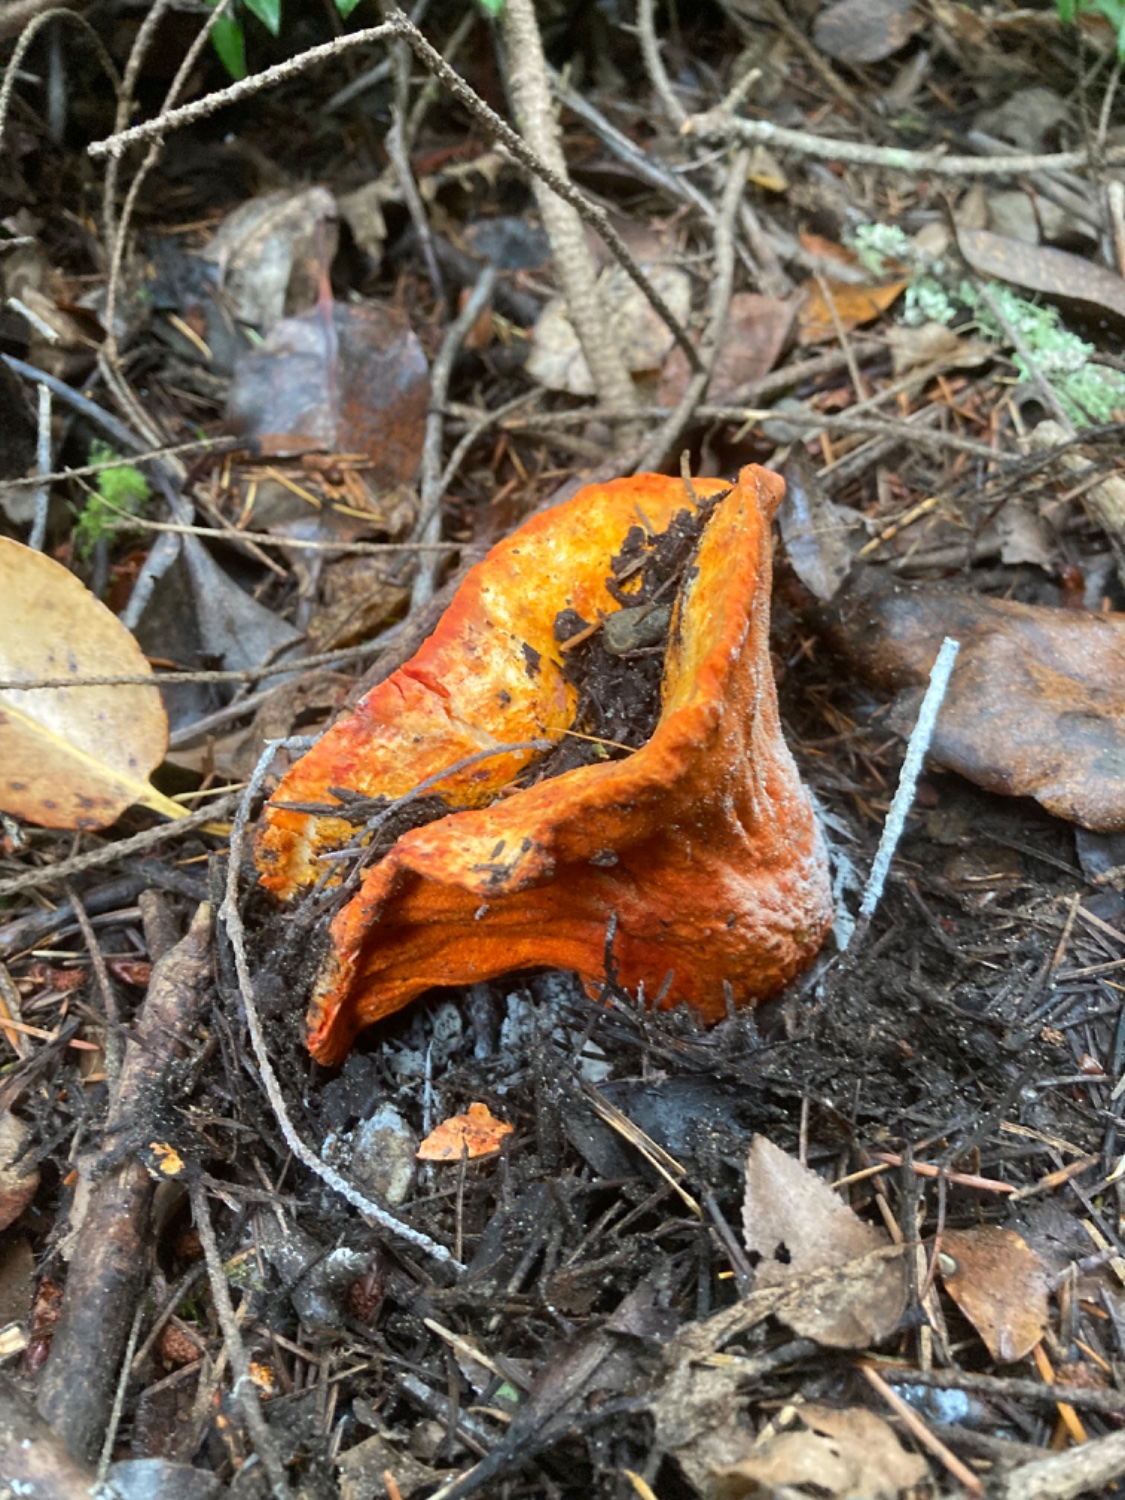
475	1133
1000	1284
813	528
756	331
72	757
796	1224
344	378
933	346
556	359
765	171
1036	703
1041	268
18	1180
848	1453
855	305
271	252
866	31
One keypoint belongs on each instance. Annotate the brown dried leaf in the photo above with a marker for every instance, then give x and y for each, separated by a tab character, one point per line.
850	1453
556	360
344	378
854	306
798	1226
866	31
1000	1284
271	252
1040	268
933	344
813	528
72	757
1036	704
756	332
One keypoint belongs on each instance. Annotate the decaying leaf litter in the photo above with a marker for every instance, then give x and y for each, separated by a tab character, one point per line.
333	349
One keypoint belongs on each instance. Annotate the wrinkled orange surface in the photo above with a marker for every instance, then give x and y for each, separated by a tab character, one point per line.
702	844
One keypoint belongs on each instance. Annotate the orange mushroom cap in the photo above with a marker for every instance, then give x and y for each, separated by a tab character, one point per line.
703	844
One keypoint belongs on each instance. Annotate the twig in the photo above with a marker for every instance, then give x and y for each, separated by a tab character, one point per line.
903	798
1086	1469
245	1391
119	850
372	76
715	126
252	540
400	25
245	88
812	55
842	339
918	1429
648	169
396	147
116	237
43	464
722	286
654	65
574	265
83	471
30	32
125	97
123	1379
112	1046
231	918
427	531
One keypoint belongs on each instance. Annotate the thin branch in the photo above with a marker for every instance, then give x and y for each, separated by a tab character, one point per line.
244	1391
1019	344
722	286
654	65
32	30
713	125
43	464
428	529
231	918
245	88
107	855
400	25
645	166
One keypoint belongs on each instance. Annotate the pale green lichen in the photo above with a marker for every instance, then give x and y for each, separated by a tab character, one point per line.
1087	392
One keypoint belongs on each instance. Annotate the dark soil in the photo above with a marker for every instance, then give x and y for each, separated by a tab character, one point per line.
618	672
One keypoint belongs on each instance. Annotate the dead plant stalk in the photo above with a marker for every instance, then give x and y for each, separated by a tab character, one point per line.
530	88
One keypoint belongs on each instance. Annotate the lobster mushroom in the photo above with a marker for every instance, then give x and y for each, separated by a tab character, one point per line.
700	850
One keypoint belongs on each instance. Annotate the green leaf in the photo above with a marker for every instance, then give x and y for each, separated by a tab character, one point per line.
268	12
230	44
1067	11
491	8
345	7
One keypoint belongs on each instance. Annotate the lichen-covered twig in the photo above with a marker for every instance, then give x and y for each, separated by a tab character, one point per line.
577	275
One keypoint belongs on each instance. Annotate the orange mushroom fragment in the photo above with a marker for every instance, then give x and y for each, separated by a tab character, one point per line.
475	1133
702	847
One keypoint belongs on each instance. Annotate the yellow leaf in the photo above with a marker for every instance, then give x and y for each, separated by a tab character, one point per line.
72	757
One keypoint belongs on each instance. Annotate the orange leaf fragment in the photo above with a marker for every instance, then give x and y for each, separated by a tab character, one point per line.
475	1133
